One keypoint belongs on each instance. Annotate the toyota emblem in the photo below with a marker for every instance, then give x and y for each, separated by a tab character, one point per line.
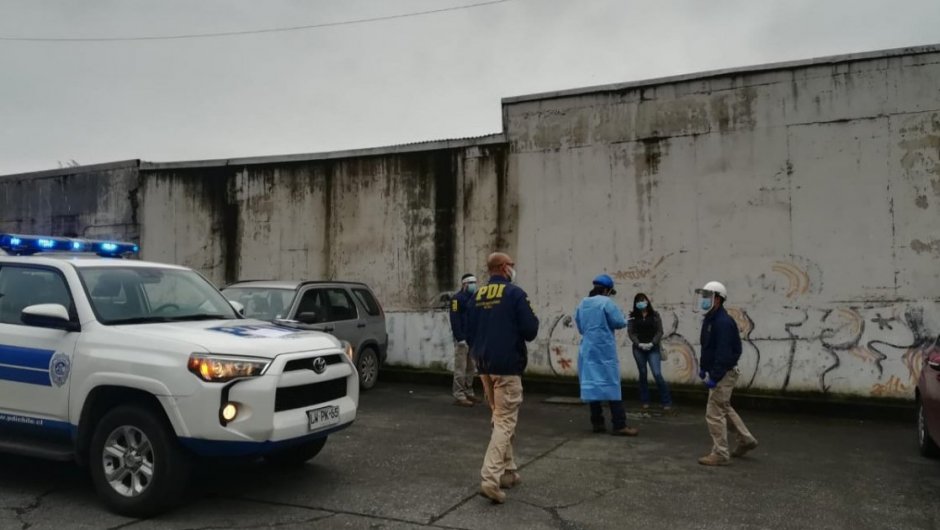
319	365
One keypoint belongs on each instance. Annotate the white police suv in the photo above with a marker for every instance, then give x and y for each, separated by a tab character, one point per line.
138	370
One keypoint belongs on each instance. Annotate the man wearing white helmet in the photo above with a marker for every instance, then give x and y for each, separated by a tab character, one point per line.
718	367
463	366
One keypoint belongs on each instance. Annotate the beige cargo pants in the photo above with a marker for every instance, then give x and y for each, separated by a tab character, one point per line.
721	417
464	371
504	395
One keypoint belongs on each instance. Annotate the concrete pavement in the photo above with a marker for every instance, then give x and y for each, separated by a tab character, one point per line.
412	461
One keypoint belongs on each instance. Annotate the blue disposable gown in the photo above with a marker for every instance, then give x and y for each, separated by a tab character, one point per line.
598	365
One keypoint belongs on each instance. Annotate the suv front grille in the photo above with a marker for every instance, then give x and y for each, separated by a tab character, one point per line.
307	364
296	397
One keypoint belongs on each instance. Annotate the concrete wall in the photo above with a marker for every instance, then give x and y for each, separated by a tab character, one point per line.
91	201
407	223
812	192
810	189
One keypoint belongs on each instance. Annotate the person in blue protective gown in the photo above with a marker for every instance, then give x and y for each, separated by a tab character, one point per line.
597	317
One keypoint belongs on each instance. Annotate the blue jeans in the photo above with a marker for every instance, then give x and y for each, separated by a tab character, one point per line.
654	359
618	416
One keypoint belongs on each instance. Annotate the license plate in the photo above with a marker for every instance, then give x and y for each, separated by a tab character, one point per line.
322	417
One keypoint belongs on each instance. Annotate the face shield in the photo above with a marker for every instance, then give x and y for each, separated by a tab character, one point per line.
469	283
704	301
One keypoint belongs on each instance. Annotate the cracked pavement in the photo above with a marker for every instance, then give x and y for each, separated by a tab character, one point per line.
412	461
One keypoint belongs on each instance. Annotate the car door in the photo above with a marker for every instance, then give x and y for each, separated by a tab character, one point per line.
336	311
35	362
370	313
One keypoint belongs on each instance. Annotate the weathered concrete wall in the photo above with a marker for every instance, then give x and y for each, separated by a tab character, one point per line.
811	192
407	223
810	189
91	201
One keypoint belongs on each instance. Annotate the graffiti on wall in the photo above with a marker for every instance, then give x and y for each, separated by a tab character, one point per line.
842	349
680	360
790	341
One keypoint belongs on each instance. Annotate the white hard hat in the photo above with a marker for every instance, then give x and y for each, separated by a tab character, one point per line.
715	287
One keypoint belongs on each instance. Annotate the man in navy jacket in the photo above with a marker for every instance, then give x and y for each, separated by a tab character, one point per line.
718	367
499	323
463	366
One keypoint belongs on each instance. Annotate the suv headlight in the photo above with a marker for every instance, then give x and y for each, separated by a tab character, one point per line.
348	350
222	368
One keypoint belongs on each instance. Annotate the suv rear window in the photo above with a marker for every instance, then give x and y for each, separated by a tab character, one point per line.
368	301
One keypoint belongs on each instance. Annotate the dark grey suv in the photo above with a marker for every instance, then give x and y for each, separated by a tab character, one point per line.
347	310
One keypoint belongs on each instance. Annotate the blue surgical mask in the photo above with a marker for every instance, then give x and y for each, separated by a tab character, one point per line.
641	305
471	288
706	304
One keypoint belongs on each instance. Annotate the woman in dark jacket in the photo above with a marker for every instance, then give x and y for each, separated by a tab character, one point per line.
646	331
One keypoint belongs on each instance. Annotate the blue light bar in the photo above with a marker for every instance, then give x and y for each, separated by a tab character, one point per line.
25	245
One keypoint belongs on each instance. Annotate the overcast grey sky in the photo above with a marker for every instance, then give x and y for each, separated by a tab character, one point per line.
409	79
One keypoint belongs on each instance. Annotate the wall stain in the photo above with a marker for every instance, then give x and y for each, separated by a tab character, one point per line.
329	215
736	110
646	161
214	188
444	175
506	208
921	247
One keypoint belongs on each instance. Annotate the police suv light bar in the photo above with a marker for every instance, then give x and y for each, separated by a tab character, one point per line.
25	245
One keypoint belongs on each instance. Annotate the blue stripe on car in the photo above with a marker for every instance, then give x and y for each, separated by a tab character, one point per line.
25	375
25	357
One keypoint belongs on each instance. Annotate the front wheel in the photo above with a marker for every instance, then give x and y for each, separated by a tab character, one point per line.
926	444
137	464
298	455
368	367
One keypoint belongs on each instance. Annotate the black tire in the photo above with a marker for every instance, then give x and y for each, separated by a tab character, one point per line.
169	463
368	367
926	444
296	456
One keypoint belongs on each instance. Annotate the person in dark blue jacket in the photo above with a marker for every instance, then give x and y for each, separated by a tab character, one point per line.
718	367
499	323
463	365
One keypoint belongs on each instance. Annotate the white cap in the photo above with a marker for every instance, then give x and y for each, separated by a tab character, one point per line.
469	279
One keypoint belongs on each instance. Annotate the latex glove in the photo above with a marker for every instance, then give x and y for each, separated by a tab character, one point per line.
648	346
462	343
702	374
710	383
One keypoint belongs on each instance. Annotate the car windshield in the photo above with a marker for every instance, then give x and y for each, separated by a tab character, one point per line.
263	303
136	295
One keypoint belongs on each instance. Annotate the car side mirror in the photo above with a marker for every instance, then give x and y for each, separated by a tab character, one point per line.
238	307
308	317
54	316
